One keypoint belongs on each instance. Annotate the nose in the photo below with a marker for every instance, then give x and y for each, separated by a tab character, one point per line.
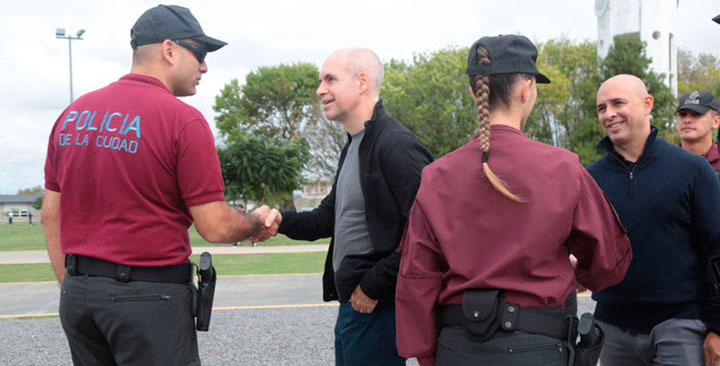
608	114
203	67
321	90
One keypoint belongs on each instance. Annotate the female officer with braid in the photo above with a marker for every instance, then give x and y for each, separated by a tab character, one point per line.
484	272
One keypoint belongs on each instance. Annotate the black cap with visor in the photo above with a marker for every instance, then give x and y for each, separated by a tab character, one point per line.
170	22
509	54
698	102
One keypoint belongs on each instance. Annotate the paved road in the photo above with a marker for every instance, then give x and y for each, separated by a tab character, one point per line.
232	292
258	320
41	256
41	298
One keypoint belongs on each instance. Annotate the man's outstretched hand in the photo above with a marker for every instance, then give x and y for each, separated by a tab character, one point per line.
270	220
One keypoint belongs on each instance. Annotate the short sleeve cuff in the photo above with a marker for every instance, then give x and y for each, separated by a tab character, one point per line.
204	198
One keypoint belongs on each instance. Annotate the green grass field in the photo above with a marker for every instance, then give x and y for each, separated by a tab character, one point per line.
232	264
21	236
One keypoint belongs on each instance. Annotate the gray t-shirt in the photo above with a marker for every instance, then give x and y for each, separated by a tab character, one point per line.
351	231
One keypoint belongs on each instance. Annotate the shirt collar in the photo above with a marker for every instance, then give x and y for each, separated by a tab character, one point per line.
712	155
145	79
501	129
607	145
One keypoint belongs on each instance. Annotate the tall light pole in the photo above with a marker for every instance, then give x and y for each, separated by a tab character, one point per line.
60	33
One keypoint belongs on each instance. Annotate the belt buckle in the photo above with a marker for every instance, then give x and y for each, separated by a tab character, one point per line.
122	273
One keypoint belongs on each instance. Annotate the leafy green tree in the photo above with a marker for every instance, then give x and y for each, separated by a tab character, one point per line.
262	169
564	114
430	95
36	189
38	203
280	102
700	72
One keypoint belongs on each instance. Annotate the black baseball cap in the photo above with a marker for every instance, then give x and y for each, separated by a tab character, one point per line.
717	19
509	54
170	22
697	101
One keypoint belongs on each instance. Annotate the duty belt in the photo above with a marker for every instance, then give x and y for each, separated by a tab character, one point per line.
78	265
551	323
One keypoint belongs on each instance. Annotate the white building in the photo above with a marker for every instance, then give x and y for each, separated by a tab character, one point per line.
20	205
310	195
653	20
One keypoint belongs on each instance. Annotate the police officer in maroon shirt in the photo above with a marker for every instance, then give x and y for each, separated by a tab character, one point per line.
116	214
485	272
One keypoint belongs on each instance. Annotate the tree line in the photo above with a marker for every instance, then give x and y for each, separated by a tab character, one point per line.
275	136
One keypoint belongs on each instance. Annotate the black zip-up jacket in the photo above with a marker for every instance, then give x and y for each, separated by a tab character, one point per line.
669	202
390	159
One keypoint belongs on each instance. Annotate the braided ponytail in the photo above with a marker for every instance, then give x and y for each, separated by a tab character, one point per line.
481	87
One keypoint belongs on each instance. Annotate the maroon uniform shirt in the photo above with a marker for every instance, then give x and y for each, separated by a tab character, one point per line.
713	156
463	234
128	160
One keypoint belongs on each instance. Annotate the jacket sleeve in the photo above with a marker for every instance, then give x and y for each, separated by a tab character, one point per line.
316	224
419	282
705	206
597	238
401	166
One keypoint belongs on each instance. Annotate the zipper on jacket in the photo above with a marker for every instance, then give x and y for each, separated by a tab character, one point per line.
631	172
632	178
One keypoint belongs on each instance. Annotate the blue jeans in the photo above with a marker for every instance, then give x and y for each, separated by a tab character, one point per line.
674	342
366	339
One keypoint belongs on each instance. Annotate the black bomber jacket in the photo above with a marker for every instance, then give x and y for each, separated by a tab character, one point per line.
391	159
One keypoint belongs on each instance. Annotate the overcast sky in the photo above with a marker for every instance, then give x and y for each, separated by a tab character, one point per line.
35	75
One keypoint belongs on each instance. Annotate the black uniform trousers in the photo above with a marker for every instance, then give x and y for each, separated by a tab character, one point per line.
514	348
109	322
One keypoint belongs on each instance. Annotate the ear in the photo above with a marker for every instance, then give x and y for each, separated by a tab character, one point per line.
525	89
170	52
363	82
715	120
648	102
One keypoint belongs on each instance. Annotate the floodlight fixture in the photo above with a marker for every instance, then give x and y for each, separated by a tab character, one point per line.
60	33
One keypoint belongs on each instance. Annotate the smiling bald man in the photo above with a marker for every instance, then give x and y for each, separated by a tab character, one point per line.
665	311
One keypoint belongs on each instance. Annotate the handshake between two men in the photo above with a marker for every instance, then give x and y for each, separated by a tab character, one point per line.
268	223
217	222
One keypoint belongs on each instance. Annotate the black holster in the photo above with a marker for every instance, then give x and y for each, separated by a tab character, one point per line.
206	292
485	311
482	312
587	350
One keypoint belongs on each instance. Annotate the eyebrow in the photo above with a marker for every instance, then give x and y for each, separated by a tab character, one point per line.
327	76
613	100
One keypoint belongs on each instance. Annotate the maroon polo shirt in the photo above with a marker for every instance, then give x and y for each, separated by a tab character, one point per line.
463	234
128	160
